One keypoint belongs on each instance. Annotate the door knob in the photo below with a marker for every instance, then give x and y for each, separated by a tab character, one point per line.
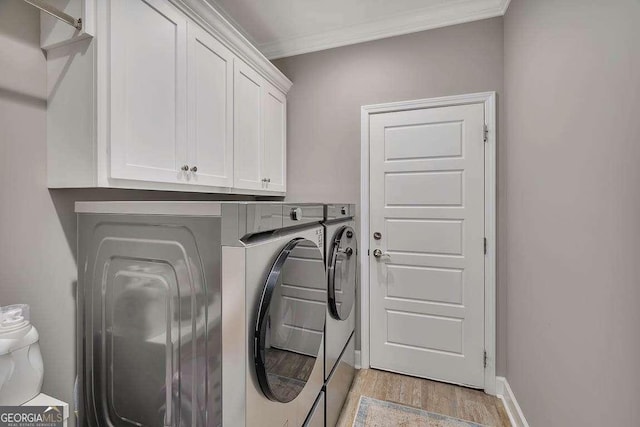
185	168
379	254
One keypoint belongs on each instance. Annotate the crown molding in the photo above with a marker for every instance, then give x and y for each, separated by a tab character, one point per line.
410	22
505	6
211	19
235	24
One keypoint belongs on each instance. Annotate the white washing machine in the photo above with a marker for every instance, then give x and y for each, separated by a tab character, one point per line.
341	253
201	314
282	276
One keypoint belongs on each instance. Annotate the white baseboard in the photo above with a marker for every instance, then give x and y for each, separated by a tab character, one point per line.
504	392
358	360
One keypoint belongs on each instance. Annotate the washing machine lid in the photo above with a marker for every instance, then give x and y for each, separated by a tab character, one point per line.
342	272
290	320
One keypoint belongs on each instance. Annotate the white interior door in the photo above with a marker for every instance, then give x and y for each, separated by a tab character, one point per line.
148	91
427	203
210	110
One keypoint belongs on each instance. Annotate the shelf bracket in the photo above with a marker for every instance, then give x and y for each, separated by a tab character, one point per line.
47	8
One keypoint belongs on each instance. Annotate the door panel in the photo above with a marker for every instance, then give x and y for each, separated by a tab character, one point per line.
248	144
274	113
148	91
210	110
424	188
427	201
439	140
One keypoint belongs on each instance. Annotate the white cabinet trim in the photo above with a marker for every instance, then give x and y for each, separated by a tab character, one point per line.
208	17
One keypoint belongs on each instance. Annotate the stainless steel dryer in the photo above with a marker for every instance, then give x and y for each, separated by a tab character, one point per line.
285	316
341	252
201	314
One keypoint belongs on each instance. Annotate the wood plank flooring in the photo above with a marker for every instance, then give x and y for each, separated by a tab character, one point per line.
446	399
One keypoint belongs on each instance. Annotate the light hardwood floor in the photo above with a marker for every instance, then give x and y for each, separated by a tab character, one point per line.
446	399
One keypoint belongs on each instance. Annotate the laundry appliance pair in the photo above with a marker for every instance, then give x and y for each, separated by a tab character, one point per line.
215	313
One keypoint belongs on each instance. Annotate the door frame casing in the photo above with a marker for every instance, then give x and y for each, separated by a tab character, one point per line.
488	99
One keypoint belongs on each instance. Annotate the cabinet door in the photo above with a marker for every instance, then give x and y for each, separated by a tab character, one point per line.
274	113
210	110
148	91
247	128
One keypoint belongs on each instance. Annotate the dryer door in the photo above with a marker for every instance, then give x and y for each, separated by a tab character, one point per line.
343	262
290	321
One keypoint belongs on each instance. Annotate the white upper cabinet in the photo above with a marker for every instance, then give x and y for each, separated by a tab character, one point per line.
248	128
260	132
167	95
148	91
210	112
274	116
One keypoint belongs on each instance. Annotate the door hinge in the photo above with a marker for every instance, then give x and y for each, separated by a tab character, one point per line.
485	358
368	252
486	133
485	245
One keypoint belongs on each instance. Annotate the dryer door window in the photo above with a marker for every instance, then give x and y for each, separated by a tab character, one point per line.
343	262
290	320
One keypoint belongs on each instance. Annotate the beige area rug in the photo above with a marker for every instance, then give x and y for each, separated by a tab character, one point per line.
379	413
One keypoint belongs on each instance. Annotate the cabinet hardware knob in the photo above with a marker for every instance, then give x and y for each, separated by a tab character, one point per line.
185	168
264	179
268	179
194	169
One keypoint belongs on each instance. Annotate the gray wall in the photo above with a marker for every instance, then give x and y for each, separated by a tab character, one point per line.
329	87
572	104
38	226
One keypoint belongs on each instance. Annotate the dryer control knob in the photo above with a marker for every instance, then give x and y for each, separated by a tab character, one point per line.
296	214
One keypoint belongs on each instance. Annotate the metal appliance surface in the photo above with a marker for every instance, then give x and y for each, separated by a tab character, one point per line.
316	416
285	319
339	383
342	279
156	344
149	324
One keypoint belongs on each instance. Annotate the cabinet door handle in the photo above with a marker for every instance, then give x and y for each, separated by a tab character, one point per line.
185	168
194	169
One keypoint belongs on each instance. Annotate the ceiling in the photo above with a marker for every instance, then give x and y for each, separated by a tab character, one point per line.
282	28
